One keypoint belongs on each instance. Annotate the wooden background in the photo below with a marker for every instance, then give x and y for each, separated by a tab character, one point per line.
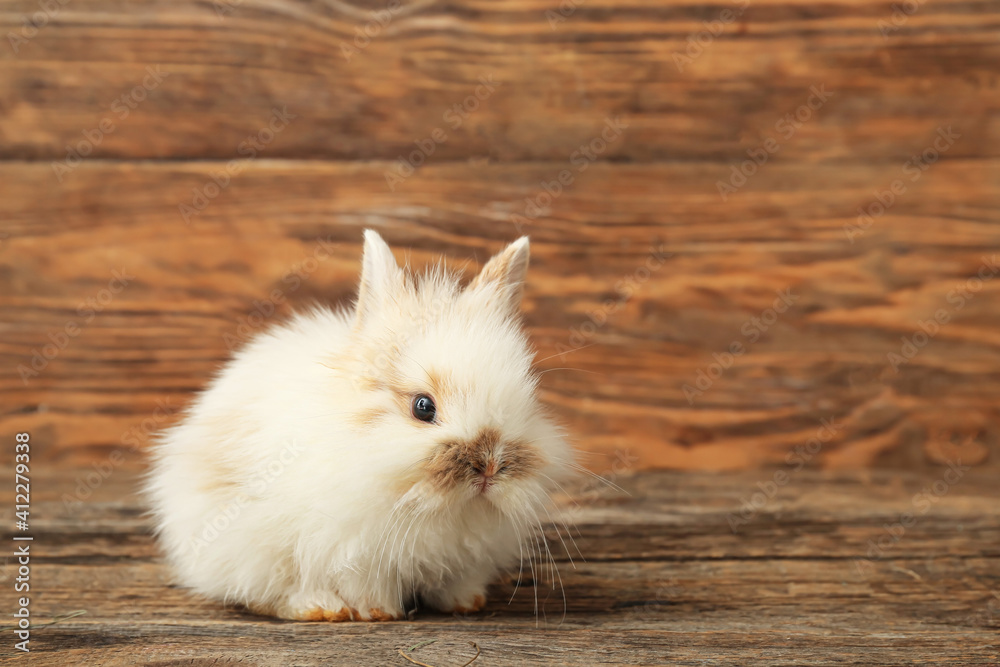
694	104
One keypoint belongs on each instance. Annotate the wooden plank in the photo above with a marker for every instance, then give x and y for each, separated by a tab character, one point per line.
556	82
295	227
934	598
670	517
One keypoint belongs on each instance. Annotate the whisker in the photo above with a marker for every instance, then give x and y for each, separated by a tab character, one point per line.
394	559
559	354
583	453
398	527
520	563
578	370
555	569
538	552
565	524
559	533
531	565
416	362
378	542
598	477
419	518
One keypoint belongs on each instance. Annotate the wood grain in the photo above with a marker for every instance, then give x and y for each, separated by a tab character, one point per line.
664	581
623	388
557	81
631	377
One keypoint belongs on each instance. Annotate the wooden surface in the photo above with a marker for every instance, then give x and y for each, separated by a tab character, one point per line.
556	81
653	189
663	579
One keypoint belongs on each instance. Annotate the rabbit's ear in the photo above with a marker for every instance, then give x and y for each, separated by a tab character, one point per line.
507	270
381	277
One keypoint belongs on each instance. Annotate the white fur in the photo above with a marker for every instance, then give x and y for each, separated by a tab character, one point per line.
273	493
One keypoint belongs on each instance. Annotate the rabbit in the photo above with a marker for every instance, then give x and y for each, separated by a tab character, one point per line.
352	463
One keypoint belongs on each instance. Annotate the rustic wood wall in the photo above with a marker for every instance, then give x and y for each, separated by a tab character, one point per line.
130	260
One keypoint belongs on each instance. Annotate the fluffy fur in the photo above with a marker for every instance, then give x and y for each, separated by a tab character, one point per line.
300	485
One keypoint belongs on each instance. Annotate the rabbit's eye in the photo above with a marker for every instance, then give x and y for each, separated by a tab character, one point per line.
424	408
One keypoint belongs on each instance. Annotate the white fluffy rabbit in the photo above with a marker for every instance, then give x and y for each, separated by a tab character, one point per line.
350	462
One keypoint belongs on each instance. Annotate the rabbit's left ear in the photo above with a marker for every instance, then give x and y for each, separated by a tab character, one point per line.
380	276
507	269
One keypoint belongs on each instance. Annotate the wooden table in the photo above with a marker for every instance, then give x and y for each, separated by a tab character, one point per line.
675	570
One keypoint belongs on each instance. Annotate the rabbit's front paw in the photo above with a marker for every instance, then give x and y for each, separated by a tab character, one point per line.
328	606
380	614
457	600
324	606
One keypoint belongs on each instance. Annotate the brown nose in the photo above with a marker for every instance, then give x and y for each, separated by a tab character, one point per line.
485	475
486	470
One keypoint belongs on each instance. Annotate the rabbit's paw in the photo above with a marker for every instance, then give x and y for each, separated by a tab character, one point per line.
325	606
380	614
458	600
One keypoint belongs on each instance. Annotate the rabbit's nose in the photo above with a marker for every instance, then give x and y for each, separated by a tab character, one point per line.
485	469
485	473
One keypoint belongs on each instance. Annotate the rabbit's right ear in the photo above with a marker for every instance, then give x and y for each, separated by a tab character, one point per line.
381	277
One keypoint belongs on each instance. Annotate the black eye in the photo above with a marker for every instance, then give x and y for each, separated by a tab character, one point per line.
424	408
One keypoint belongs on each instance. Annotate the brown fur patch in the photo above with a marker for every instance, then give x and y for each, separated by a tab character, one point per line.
478	603
440	385
337	616
404	391
217	473
367	383
461	461
317	614
314	614
379	615
404	401
506	269
497	269
365	362
437	385
520	460
370	416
